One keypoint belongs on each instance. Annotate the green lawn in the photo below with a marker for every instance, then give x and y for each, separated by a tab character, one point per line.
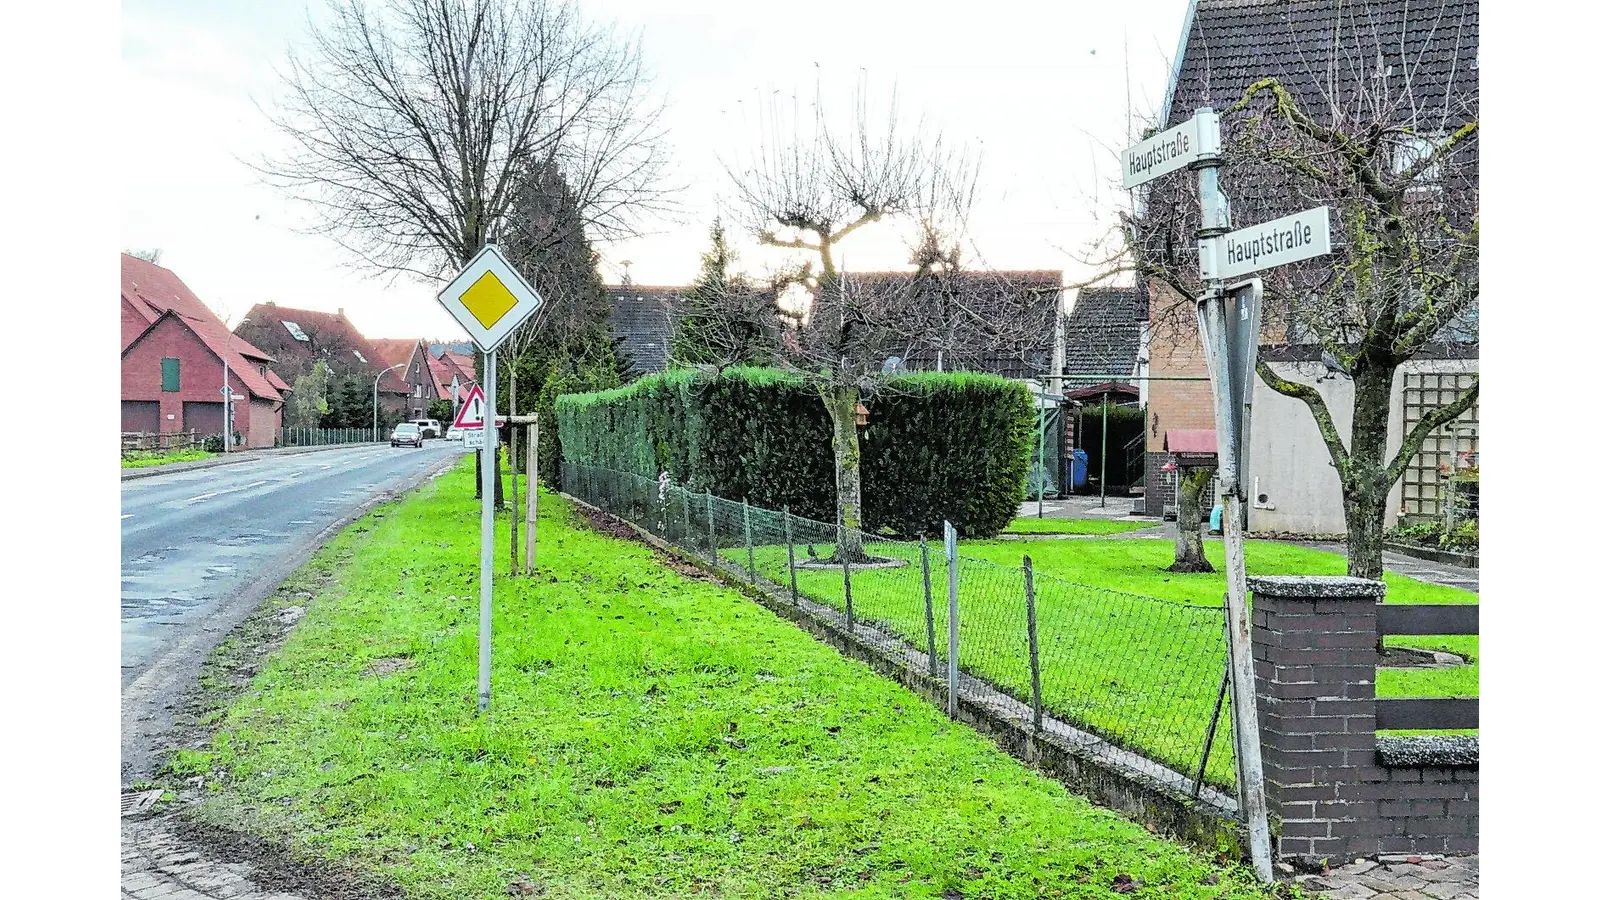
652	734
138	459
1127	650
1030	525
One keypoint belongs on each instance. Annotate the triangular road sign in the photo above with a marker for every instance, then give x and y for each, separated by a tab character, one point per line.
472	409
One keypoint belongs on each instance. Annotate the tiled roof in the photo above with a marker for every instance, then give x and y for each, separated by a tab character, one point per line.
1102	334
464	362
332	338
1027	299
644	317
1430	47
395	351
151	290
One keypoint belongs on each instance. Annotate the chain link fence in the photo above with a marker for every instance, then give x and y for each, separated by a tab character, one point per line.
1137	679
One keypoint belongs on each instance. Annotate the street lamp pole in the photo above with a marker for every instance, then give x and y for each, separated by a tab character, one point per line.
375	395
227	390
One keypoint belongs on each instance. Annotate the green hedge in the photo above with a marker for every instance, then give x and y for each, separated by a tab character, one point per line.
937	445
946	446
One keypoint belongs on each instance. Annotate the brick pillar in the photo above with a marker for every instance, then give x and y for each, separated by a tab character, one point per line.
1315	642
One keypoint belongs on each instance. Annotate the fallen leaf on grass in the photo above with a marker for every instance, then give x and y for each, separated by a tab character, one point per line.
1124	883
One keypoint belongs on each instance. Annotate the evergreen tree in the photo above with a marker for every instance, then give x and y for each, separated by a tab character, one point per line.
309	397
705	333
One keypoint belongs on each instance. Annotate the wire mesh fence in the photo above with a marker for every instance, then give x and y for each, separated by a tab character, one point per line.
1133	677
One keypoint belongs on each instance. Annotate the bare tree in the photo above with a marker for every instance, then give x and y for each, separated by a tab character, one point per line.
1387	138
151	256
811	185
409	126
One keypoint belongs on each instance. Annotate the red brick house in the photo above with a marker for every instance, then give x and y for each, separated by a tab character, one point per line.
172	351
298	338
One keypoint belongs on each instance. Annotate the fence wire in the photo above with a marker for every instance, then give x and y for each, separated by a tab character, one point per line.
1134	678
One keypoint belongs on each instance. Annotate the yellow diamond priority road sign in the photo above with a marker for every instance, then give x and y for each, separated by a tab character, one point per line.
489	298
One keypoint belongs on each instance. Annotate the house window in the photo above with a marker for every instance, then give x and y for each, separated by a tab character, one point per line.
262	370
295	331
419	390
169	374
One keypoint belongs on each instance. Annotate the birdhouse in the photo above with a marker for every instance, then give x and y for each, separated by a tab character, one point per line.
861	413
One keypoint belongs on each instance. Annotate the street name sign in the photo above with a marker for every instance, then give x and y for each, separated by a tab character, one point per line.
489	298
1293	238
1172	149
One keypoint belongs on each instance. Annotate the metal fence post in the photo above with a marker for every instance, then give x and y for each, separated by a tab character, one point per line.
688	518
849	602
927	609
1033	643
788	538
952	662
711	525
749	545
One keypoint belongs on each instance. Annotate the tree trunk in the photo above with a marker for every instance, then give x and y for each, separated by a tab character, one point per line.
841	401
1366	485
1189	550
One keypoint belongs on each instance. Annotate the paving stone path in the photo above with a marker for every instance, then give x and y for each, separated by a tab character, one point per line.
159	865
1399	878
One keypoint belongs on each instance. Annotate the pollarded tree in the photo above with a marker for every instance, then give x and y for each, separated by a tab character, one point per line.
811	187
1389	142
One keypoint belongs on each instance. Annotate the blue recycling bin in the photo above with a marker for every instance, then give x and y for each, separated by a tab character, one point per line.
1216	519
1080	467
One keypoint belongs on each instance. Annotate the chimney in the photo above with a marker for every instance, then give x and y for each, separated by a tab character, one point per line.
341	312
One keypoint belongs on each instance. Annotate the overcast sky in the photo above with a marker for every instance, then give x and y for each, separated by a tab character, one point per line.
1040	88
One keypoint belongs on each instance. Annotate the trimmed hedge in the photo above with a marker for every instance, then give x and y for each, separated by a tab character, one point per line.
937	446
946	446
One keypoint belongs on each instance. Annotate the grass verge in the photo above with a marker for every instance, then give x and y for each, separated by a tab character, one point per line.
652	734
139	459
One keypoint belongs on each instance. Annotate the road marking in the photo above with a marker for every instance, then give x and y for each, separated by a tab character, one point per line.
202	496
253	483
130	515
324	466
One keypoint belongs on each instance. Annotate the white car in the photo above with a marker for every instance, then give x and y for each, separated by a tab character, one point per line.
430	428
454	434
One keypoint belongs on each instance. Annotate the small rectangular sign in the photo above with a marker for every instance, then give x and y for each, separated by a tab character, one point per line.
472	438
1282	241
1168	151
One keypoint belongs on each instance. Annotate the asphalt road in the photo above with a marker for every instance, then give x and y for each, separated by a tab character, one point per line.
201	548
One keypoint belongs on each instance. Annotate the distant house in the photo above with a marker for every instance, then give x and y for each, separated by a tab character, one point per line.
643	318
430	369
1026	302
1106	345
173	347
1226	46
298	338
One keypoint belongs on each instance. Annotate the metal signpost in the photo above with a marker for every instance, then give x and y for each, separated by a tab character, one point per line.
1230	329
490	299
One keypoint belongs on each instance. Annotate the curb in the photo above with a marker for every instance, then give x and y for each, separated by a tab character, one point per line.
152	471
1430	554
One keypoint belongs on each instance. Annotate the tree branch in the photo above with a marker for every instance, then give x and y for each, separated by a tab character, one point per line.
1308	395
1420	431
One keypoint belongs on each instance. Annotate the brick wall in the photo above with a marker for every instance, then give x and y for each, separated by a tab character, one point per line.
1174	351
1329	790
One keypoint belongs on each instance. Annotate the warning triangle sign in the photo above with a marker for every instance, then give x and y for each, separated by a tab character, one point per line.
472	409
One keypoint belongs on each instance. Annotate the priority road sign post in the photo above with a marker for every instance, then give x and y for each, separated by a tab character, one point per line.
490	299
1230	332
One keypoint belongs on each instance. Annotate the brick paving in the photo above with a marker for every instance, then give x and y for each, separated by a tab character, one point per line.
158	865
1398	878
